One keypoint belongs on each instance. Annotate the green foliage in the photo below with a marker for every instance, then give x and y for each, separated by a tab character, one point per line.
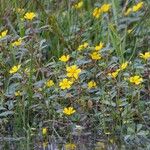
104	96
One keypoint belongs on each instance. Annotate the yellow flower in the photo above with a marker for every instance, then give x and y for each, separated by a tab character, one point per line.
100	145
137	7
95	56
69	111
72	80
49	83
22	19
45	144
78	5
17	42
20	10
136	79
145	56
44	131
105	7
107	132
39	89
73	71
29	15
83	46
65	84
3	33
125	78
114	74
129	31
70	146
123	65
126	121
129	10
99	47
96	12
18	93
91	84
64	58
27	71
14	69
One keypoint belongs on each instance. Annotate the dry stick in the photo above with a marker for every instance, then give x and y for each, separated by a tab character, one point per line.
56	131
125	6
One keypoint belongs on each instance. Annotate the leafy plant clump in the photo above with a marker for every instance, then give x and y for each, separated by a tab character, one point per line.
72	70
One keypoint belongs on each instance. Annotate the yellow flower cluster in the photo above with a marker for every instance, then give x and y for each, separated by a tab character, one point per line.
49	83
136	79
69	111
78	5
129	31
114	74
45	144
103	9
18	93
95	56
29	15
135	8
64	58
82	46
91	84
14	69
145	56
44	131
19	10
124	65
70	146
73	71
99	47
17	42
65	84
3	33
121	67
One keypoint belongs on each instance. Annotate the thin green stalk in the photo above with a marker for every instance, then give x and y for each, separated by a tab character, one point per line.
115	12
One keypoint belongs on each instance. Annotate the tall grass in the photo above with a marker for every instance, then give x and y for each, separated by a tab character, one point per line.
116	108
